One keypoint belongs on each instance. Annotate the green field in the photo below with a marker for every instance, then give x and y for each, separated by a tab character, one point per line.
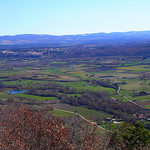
131	77
148	106
81	85
112	126
132	84
87	113
39	98
23	82
141	98
60	113
137	68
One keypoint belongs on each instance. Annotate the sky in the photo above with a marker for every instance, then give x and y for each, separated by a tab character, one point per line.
66	17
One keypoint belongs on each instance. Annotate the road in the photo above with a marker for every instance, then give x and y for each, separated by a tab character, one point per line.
128	99
124	96
84	119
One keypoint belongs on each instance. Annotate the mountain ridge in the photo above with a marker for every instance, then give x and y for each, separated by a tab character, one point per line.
101	38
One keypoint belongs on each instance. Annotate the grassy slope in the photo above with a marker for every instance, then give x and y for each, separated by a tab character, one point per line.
39	98
87	113
60	113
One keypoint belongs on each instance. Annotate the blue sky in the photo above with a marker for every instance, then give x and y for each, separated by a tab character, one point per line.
59	17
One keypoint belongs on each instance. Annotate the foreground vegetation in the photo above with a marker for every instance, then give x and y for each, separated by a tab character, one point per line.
36	129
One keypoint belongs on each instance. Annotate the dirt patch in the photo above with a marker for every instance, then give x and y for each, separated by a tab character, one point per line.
70	78
60	106
51	102
31	71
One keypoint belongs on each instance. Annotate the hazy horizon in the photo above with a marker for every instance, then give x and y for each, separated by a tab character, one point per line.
72	34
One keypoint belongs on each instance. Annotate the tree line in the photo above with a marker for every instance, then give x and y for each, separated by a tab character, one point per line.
92	99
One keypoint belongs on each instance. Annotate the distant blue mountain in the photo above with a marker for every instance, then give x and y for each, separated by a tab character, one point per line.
95	38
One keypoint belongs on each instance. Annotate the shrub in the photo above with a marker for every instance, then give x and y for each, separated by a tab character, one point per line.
24	129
